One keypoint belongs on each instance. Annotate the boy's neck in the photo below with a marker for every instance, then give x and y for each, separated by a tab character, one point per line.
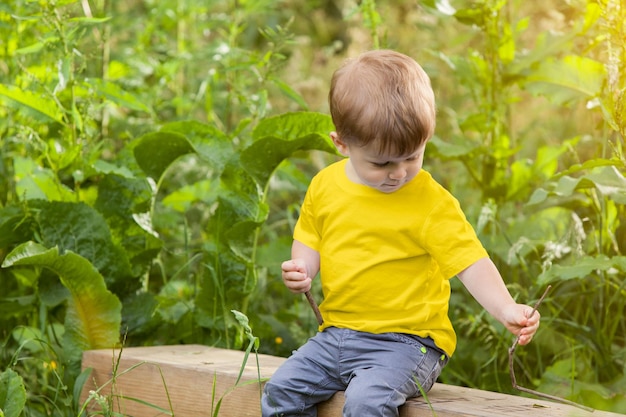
351	173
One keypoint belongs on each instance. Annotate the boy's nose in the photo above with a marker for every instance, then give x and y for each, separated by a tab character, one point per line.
397	173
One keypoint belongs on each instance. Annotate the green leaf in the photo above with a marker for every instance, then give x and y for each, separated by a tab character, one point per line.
184	197
547	159
582	268
156	151
80	382
454	149
125	202
12	394
506	49
521	175
291	126
31	49
239	198
17	306
115	94
103	167
121	196
139	313
42	108
239	238
93	316
442	6
36	182
210	143
574	77
80	228
290	92
471	16
29	338
608	180
277	138
547	45
15	225
90	20
592	163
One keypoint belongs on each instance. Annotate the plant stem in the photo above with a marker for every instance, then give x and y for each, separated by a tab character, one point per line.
530	391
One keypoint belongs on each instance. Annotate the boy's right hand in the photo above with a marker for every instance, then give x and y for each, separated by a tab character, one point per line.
295	276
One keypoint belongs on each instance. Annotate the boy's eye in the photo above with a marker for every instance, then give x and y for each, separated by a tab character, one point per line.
380	164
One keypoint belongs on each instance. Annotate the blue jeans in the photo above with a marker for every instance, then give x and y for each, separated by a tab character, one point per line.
378	372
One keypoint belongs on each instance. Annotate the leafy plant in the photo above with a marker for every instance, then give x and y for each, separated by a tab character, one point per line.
237	182
12	394
159	148
549	213
79	199
253	344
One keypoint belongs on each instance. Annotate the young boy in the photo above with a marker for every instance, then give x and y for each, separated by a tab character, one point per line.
386	238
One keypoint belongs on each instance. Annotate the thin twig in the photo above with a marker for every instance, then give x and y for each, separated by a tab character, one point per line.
315	308
530	391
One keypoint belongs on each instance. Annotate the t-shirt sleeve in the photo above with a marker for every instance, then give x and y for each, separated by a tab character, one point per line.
450	238
307	229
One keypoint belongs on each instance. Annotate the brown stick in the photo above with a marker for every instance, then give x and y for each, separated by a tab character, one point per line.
315	308
530	391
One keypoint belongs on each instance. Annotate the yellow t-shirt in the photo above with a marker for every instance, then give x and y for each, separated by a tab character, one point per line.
386	259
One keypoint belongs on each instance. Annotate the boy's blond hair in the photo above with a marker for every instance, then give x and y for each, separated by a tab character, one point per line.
385	98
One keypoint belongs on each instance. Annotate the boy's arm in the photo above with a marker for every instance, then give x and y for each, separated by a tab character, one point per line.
484	282
303	266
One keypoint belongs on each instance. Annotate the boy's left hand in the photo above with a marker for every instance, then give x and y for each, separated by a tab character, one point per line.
516	318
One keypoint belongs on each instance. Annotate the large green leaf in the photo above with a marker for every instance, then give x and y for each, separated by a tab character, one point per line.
210	143
12	394
277	138
156	151
139	313
293	126
93	316
42	108
15	225
124	203
81	229
573	77
239	197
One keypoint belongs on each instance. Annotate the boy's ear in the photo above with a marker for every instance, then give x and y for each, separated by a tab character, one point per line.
341	146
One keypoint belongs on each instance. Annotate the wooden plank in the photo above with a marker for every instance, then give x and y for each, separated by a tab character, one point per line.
181	379
178	378
453	401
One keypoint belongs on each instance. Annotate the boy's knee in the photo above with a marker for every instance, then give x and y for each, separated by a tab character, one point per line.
282	399
275	400
372	401
275	393
365	406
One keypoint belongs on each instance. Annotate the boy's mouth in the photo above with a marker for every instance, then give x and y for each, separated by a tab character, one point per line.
393	186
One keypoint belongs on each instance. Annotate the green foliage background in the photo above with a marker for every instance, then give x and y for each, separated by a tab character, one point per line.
153	156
